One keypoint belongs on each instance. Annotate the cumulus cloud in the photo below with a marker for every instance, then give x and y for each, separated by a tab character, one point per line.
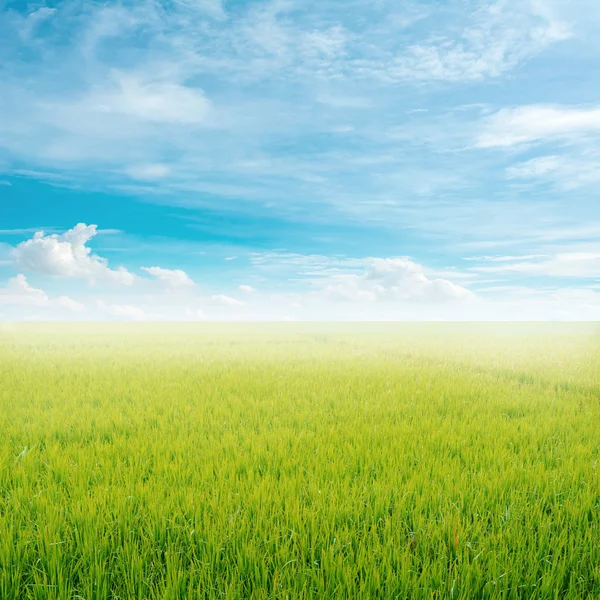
20	293
394	279
172	278
66	255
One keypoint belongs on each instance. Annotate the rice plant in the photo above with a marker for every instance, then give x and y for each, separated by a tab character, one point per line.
299	461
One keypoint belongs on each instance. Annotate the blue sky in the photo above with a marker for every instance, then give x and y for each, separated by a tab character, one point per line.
287	159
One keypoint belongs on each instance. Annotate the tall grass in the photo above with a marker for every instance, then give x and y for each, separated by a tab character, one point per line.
298	461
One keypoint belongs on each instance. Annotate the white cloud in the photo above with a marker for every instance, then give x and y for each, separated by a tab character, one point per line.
69	304
148	172
525	124
502	35
67	255
150	100
566	172
21	294
394	279
194	314
226	300
247	289
310	263
28	25
121	311
565	264
367	279
329	43
41	14
498	258
536	167
172	278
19	231
213	8
18	291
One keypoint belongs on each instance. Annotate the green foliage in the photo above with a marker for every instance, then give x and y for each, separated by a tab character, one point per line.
299	461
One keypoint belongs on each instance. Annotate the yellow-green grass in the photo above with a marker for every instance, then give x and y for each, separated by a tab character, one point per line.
299	461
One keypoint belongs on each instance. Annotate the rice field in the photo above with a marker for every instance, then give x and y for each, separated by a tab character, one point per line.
299	461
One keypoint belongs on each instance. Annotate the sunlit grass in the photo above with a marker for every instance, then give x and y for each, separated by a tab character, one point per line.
299	461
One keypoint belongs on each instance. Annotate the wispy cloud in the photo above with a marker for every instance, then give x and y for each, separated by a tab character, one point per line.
146	99
500	258
23	230
247	289
573	264
226	300
527	124
567	172
197	97
500	36
172	278
148	172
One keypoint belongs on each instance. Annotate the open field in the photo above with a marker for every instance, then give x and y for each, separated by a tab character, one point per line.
299	461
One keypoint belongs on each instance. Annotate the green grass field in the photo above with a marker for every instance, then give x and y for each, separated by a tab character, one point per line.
299	461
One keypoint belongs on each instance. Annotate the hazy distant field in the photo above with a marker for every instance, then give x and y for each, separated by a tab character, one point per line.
299	461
